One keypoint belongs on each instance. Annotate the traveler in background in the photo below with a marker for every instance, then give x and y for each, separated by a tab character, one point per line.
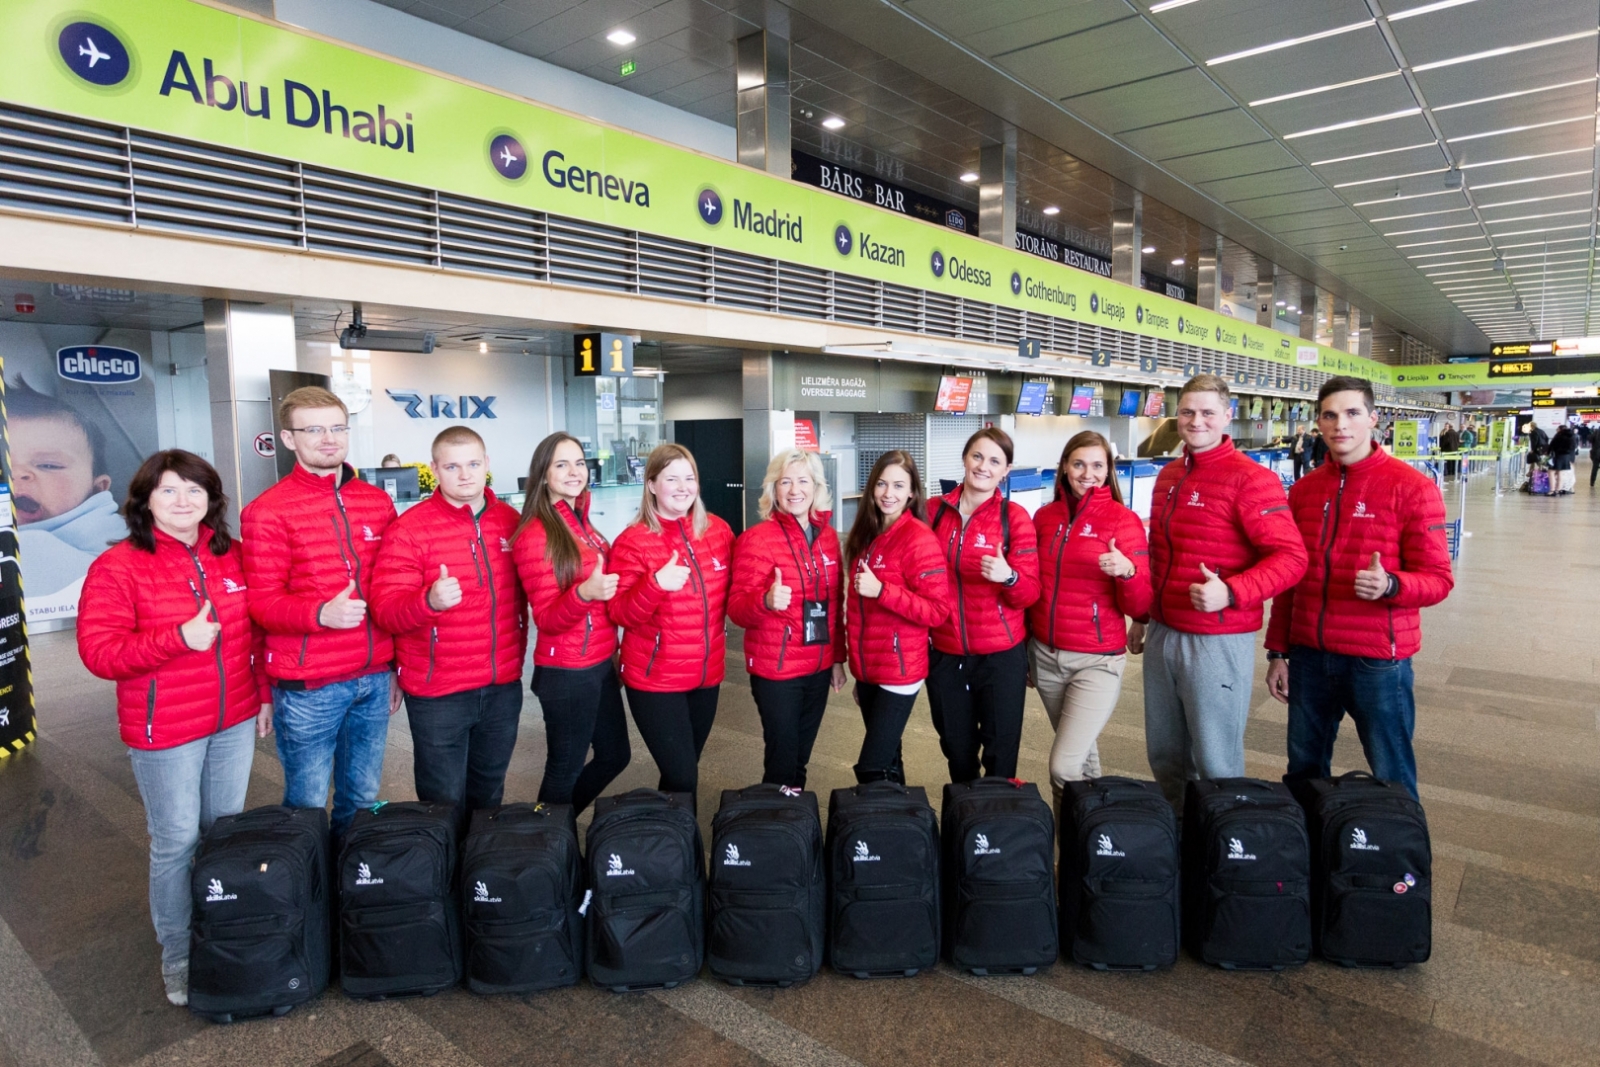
787	586
1538	442
561	560
1319	449
314	538
1594	456
978	670
1094	567
1583	435
446	588
1341	640
1300	451
1221	545
390	460
163	614
1388	434
1469	437
1449	442
897	592
672	566
1563	455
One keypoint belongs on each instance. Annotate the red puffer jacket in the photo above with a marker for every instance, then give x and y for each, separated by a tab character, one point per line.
480	641
888	634
573	632
672	642
774	641
129	612
1345	514
1082	608
309	535
987	616
1220	508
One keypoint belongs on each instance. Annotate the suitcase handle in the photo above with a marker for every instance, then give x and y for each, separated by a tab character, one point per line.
643	796
995	783
882	786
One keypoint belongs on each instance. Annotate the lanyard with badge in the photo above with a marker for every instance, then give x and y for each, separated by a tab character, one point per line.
813	612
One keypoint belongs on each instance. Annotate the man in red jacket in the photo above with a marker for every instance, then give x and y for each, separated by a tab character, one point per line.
1221	545
1375	531
446	587
310	545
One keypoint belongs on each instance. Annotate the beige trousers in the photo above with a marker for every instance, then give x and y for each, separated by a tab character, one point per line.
1080	691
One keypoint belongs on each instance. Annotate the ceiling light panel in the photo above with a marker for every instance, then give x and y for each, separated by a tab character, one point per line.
1291	42
1320	89
1437	108
1439	214
1503	50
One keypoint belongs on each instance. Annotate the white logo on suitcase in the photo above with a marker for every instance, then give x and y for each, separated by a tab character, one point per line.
614	868
731	857
364	875
1236	850
1107	848
864	854
1358	840
214	892
981	843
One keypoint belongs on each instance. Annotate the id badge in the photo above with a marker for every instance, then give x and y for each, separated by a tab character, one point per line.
815	615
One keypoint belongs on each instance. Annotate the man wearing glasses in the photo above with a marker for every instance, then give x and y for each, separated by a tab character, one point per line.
310	544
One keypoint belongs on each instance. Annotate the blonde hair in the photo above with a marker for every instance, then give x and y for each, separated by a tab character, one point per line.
456	435
661	457
307	396
821	500
1205	383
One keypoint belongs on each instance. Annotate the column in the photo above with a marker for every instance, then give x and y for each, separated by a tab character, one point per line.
763	102
1308	311
244	342
1339	324
766	432
1208	293
997	191
1267	294
1127	236
1361	344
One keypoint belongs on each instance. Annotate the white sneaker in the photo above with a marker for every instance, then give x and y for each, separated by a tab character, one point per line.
177	982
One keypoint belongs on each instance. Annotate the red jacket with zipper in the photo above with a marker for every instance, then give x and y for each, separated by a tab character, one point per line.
309	535
129	613
1083	609
774	641
1223	509
672	642
887	635
1345	514
480	641
572	632
986	616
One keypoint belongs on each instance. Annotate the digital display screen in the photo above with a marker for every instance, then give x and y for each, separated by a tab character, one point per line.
1082	400
1130	402
1031	400
953	394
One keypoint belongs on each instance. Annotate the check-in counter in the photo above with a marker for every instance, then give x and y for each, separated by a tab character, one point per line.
1026	487
1137	478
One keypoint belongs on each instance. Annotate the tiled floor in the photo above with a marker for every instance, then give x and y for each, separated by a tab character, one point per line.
1510	764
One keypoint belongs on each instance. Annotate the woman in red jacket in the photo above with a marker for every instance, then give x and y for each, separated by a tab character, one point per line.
672	568
1093	565
897	592
787	579
561	561
163	614
978	674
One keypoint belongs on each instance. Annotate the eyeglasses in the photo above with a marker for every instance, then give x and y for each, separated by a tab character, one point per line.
320	431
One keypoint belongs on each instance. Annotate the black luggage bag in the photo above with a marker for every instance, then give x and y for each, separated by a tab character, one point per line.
521	890
766	895
399	921
1371	870
646	868
259	940
883	880
1119	875
1247	874
999	852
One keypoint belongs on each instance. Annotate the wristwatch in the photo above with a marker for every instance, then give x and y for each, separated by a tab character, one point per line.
1276	655
1013	580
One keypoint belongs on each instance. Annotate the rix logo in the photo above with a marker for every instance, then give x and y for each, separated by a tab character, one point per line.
444	407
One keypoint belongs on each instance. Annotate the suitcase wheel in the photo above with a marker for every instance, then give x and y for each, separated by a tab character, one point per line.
221	1018
281	1010
907	973
984	972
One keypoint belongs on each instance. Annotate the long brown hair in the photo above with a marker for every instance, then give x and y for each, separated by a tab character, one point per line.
661	457
191	468
1001	439
1086	439
560	547
869	517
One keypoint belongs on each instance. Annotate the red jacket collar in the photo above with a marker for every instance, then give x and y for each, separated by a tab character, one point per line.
1219	454
1092	499
1377	459
165	540
320	482
819	519
461	511
953	500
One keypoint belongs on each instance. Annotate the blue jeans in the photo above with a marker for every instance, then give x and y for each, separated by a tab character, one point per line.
185	789
335	732
461	744
1375	693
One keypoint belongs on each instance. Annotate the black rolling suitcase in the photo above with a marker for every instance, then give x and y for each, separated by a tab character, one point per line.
258	940
647	870
1119	875
1371	870
521	888
766	895
1247	874
883	880
399	921
999	851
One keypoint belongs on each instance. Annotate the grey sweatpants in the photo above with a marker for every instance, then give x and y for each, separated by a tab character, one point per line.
1196	701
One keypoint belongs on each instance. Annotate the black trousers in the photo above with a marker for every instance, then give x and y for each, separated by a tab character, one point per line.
582	709
675	727
977	708
791	713
1594	469
1299	465
885	715
461	744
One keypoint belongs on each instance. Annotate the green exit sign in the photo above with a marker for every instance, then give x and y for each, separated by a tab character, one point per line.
628	67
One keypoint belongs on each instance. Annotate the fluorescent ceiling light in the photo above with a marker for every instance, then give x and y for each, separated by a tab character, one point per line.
1457	273
1543	229
1411	196
1168	5
1351	124
1506	51
1052	210
1519	129
1537	199
833	122
1394	178
620	36
1178	262
1283	303
1148	250
1431	229
969	176
1289	43
1322	89
1427	9
1538	244
1508	96
1524	181
1456	262
1448	241
1369	155
1543	215
1421	214
1524	159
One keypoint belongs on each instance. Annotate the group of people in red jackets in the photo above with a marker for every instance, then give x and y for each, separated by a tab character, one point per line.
337	609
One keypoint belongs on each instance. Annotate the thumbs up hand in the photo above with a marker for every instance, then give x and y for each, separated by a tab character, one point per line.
345	611
995	568
1210	595
599	585
867	583
672	576
1372	582
778	594
200	633
1114	563
445	593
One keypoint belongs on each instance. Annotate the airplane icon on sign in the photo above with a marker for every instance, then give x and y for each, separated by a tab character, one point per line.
509	157
93	52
